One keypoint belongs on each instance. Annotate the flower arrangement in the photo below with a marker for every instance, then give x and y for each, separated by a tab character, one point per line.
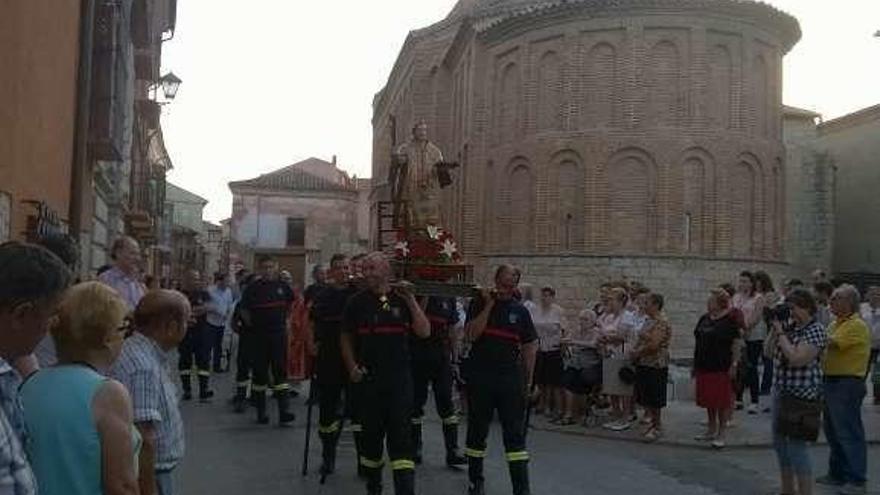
426	251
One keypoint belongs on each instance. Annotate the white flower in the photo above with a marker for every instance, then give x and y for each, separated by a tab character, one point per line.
449	248
433	232
403	247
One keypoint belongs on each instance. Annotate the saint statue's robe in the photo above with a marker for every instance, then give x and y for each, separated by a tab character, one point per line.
420	188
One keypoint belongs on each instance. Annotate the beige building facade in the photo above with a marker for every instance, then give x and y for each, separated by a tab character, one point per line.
301	214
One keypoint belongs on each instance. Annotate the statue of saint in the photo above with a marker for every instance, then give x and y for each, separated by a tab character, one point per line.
417	175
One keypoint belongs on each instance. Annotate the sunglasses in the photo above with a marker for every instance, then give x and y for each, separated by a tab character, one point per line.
126	328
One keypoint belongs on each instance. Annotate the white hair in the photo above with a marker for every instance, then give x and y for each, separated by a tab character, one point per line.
850	294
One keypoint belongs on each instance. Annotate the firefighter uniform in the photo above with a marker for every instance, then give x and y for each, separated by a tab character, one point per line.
196	348
431	365
331	377
496	381
380	328
268	303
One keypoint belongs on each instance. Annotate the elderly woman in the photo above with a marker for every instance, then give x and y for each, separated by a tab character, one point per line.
651	357
615	336
583	364
846	363
796	350
716	355
82	439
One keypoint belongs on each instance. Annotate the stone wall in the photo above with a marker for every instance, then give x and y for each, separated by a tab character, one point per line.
853	142
684	282
810	184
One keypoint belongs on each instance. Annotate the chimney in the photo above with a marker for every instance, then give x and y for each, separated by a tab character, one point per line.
334	160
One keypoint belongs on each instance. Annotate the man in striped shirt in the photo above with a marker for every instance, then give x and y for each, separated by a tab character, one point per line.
161	320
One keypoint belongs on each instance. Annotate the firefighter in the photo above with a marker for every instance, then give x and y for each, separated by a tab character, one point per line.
330	374
499	373
196	344
431	364
375	348
264	308
357	283
243	358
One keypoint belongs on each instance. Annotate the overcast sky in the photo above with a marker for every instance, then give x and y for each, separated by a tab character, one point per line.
267	83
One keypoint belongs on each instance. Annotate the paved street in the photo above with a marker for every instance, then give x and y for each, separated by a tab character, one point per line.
229	455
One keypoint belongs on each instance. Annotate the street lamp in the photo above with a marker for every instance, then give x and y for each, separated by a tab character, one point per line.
170	84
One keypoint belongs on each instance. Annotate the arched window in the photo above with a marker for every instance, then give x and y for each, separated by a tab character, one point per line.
631	205
550	95
567	215
760	95
600	87
742	209
663	83
521	209
508	102
720	87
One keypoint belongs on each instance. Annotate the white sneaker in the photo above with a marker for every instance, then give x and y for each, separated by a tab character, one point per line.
611	424
753	409
718	444
622	426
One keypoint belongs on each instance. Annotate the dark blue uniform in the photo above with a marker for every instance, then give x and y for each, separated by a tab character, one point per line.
496	381
268	303
331	376
380	327
196	347
431	365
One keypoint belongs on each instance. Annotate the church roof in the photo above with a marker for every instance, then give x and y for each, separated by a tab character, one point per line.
296	178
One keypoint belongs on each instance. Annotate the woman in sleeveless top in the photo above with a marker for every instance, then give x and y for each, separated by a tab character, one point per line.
81	437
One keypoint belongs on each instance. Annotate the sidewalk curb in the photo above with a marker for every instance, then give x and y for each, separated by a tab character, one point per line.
629	437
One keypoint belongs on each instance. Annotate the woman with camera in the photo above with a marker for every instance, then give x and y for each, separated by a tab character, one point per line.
795	344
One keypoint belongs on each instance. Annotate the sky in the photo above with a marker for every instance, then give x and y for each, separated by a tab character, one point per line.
267	83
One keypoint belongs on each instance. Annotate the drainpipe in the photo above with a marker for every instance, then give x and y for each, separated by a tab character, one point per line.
80	171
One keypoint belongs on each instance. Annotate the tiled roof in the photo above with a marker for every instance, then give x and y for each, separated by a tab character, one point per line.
293	178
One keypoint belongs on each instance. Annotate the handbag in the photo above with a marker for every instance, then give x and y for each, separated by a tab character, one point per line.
797	418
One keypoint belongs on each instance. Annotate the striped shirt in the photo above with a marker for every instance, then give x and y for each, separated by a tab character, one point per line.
130	288
143	368
16	477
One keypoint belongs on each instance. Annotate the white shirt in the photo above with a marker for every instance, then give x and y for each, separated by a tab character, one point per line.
871	316
548	324
220	306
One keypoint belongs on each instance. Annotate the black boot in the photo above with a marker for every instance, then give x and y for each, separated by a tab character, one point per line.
416	433
186	384
374	480
404	482
260	401
475	476
205	392
328	452
450	438
239	402
519	477
285	417
876	395
358	442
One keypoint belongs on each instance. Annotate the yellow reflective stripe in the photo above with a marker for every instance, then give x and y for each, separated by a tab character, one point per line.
185	372
259	388
355	428
281	387
401	464
369	463
451	420
204	373
517	456
331	428
475	453
244	383
417	421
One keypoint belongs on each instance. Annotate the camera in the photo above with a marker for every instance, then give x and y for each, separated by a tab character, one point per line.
779	312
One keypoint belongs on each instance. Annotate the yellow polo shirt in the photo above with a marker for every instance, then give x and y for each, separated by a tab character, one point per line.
849	346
